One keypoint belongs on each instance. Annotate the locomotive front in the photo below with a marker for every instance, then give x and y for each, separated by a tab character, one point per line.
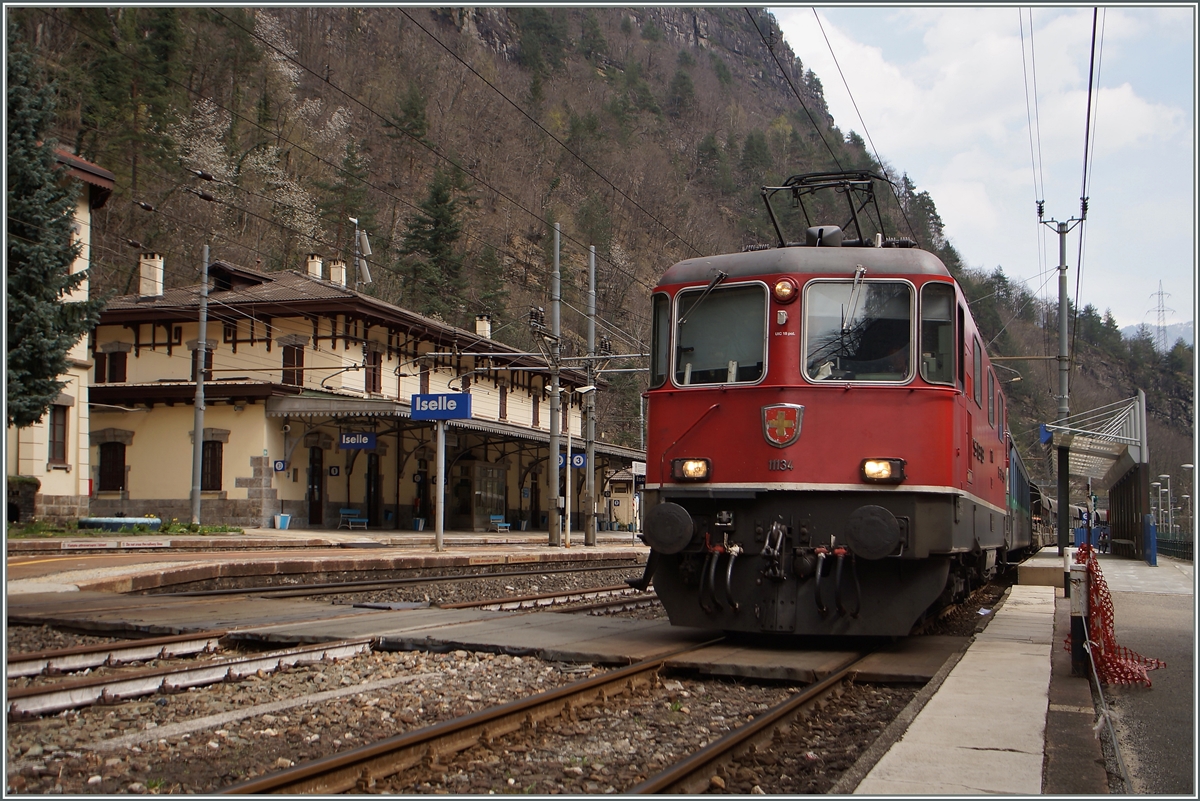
806	468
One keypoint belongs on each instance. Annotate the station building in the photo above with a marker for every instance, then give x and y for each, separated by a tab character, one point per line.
307	387
52	458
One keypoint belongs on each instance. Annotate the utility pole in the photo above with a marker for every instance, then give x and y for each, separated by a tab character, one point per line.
1064	377
589	487
555	399
201	358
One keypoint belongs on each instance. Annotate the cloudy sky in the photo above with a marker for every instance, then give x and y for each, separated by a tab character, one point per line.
942	94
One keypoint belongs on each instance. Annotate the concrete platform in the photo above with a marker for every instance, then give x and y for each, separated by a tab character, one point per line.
984	730
167	568
559	637
913	659
146	615
1043	569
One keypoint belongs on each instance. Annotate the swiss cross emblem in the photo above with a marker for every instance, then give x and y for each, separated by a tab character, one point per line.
781	423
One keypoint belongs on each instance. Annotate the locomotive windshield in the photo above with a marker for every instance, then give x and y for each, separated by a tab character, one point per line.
858	331
721	338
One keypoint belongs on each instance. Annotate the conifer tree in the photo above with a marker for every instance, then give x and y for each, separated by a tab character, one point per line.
42	325
434	267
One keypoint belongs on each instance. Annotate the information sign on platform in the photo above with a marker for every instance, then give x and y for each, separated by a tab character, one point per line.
444	406
578	460
280	465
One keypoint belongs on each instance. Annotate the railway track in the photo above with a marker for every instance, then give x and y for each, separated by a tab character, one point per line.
366	585
695	773
42	699
361	767
69	660
36	700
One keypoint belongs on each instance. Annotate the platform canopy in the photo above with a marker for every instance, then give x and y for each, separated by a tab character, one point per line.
1105	443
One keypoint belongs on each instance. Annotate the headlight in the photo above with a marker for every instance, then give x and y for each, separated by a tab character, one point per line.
784	290
690	469
883	471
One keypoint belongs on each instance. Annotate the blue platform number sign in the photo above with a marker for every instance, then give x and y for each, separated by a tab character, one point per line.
577	460
355	440
280	465
446	406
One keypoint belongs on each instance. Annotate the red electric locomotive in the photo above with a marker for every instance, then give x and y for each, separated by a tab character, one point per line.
827	448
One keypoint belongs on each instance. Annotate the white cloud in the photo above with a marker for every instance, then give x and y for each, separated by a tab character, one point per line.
943	94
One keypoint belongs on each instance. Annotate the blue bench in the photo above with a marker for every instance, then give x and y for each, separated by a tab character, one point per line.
352	518
497	522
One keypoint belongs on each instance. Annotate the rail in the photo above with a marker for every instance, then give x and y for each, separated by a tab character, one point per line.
544	599
336	587
67	660
25	702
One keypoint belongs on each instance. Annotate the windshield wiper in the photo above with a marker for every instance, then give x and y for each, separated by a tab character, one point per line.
859	272
716	279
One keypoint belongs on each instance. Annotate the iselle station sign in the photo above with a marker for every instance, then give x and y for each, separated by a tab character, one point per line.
445	406
357	440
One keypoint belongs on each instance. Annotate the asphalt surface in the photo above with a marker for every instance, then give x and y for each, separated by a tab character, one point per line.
1155	726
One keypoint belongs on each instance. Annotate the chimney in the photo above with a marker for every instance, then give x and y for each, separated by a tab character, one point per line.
315	263
483	325
150	273
337	272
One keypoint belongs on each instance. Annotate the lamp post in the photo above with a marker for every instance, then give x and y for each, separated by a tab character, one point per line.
1187	511
1170	517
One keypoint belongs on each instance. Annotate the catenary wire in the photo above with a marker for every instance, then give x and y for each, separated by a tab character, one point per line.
419	141
337	168
543	129
854	102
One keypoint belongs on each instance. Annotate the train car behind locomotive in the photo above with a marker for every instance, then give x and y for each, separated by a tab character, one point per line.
827	450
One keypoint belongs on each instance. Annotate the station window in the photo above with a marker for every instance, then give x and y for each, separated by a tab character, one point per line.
208	364
503	414
212	456
937	333
58	435
112	467
293	365
374	379
110	367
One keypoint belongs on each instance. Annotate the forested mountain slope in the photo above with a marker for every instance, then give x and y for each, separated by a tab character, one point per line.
458	137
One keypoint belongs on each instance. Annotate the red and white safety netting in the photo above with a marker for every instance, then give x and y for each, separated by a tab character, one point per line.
1115	664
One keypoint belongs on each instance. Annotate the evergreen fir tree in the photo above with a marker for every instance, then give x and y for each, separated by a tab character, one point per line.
42	325
346	197
493	292
434	268
756	156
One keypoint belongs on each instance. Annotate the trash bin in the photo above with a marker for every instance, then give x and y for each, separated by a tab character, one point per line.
418	524
282	521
